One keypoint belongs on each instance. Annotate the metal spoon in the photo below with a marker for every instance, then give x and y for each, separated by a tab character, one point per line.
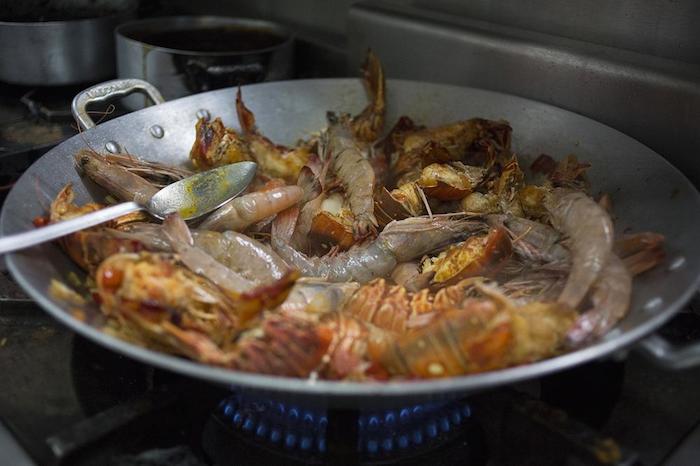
192	197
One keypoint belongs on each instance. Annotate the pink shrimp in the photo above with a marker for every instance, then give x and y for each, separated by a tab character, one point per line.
241	212
590	232
400	241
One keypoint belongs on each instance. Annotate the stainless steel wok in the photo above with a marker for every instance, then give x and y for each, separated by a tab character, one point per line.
648	194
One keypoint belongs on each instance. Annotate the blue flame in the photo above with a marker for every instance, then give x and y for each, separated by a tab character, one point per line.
380	432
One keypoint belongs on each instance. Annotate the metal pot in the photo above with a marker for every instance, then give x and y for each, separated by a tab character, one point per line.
59	42
183	55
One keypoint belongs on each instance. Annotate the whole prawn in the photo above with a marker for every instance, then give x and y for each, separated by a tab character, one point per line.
400	241
254	261
590	231
355	173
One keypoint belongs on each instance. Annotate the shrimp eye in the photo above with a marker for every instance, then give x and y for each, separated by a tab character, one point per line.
111	278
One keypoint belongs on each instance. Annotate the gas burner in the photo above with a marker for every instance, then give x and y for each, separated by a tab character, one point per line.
38	109
303	433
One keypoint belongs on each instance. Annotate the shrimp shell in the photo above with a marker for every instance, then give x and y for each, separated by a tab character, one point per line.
282	346
480	337
241	212
274	160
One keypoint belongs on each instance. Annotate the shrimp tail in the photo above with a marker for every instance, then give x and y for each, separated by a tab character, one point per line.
284	224
245	116
368	125
640	251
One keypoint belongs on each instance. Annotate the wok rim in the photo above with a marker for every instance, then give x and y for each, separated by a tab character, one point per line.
341	390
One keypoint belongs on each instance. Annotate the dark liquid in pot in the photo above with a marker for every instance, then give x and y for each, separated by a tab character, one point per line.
220	39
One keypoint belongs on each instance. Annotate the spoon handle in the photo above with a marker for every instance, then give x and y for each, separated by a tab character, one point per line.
56	230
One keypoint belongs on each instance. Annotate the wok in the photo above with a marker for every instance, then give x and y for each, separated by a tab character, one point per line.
648	194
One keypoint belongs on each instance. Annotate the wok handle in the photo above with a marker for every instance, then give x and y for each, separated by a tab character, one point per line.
107	91
669	356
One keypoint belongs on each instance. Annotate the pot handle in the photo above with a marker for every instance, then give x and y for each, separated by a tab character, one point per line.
109	90
669	356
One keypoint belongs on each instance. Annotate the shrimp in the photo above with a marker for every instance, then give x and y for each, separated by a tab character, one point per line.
400	241
483	335
304	222
274	160
252	260
532	240
352	351
475	142
355	173
368	125
215	145
282	346
117	180
409	275
199	261
590	232
396	309
158	174
311	296
241	212
150	290
610	295
88	248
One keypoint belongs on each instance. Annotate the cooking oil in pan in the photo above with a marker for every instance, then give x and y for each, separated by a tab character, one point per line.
212	39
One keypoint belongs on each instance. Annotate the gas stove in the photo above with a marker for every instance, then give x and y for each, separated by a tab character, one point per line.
65	400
